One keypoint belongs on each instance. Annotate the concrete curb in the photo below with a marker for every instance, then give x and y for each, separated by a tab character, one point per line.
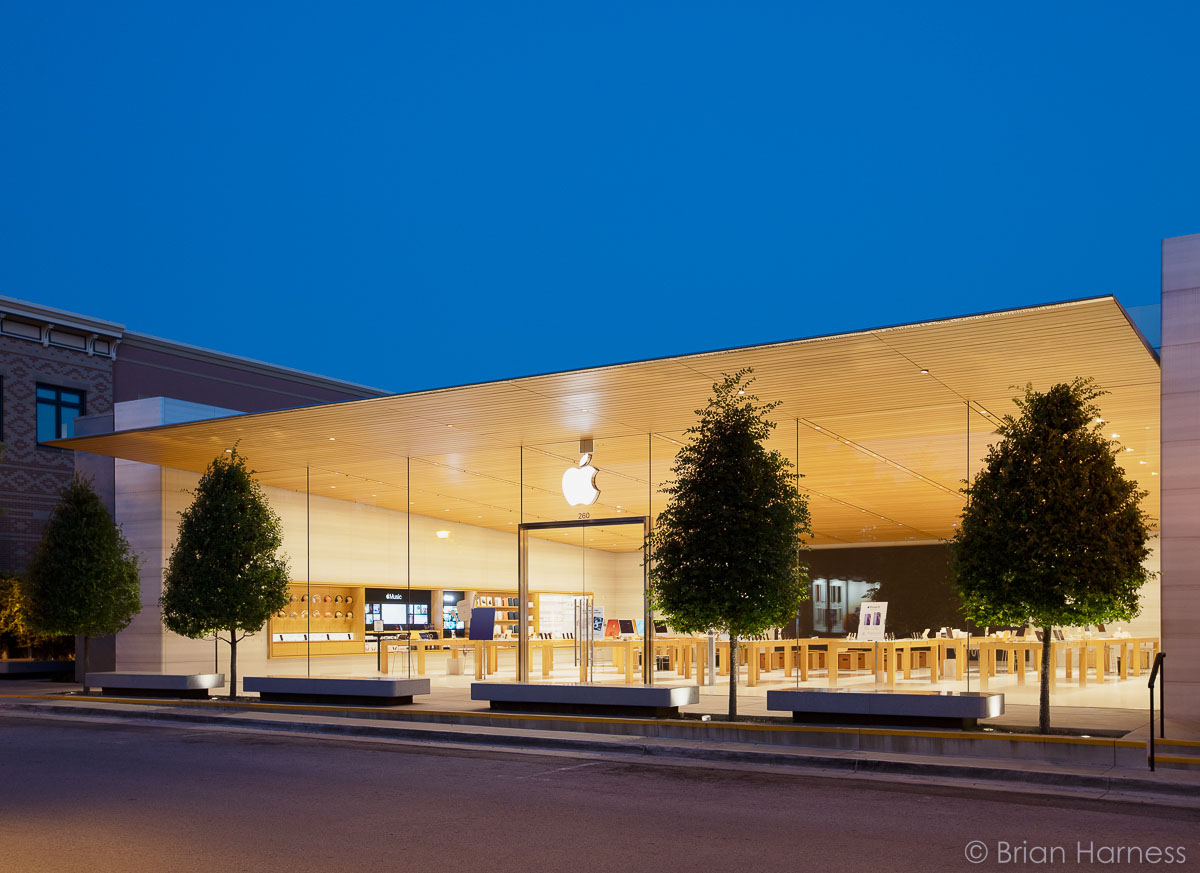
1062	779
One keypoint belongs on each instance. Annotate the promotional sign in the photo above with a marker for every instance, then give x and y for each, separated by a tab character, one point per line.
483	623
871	621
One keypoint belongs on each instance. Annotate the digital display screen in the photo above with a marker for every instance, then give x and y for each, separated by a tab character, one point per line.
626	625
394	614
449	622
397	608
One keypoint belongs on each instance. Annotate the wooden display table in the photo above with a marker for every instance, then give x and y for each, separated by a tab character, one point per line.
1080	651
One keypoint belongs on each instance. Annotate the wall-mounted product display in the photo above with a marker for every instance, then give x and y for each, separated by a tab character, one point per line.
318	621
549	611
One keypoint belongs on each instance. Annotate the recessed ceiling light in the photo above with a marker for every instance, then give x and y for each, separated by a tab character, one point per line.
229	451
1141	462
1116	436
443	534
374	495
1129	448
924	372
332	439
332	486
1099	420
1153	474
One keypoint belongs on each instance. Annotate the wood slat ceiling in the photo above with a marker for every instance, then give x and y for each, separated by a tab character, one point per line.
883	448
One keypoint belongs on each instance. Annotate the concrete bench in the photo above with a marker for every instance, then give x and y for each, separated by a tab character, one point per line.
144	684
368	691
915	708
657	701
24	669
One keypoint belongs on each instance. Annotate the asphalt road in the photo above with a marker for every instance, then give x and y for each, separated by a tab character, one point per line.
93	798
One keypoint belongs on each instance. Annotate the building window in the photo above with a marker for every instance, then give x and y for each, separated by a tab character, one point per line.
57	409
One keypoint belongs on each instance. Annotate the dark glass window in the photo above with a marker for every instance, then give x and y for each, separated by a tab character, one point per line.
57	409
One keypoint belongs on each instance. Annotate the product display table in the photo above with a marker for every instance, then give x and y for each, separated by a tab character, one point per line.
889	659
1086	653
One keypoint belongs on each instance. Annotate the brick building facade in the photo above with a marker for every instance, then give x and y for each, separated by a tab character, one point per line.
101	363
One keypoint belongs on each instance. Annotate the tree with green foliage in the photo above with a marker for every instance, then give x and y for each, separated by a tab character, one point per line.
83	579
14	619
1053	532
225	574
727	547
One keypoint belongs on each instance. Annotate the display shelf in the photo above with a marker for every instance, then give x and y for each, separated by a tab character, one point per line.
328	624
508	606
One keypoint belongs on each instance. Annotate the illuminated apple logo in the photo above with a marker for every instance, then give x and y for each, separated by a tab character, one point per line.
579	483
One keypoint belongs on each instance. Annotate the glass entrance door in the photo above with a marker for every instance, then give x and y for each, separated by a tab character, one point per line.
583	607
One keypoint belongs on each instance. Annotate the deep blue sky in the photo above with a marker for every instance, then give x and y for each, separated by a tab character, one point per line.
420	194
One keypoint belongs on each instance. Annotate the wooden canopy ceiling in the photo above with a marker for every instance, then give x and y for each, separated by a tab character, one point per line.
883	446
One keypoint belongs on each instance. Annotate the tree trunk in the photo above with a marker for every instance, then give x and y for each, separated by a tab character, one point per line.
733	675
1044	690
233	665
86	664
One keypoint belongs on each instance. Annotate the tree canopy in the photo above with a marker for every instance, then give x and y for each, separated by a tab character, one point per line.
726	548
1053	532
83	579
224	575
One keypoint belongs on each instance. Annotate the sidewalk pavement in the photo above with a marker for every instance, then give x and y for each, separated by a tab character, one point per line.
431	722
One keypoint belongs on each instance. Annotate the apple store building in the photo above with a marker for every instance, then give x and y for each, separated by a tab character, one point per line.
497	531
